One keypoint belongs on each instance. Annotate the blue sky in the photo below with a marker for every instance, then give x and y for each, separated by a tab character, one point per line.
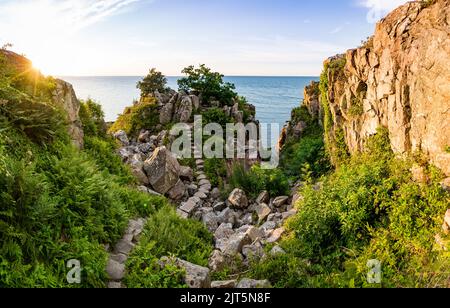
235	37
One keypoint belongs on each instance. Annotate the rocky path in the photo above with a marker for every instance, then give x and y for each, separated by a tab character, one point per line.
119	255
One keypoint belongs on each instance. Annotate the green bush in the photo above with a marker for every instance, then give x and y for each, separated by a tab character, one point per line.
216	115
207	83
166	235
216	171
93	118
256	180
142	115
154	81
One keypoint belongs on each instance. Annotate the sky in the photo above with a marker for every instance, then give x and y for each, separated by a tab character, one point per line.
234	37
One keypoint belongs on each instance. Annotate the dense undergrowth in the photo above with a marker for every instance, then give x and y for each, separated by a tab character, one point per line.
58	203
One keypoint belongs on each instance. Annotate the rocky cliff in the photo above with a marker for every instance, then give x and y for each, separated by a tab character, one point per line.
399	79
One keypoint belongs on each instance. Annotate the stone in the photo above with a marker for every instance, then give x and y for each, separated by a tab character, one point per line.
228	284
197	277
123	247
268	226
277	250
255	233
140	175
289	214
220	206
186	173
146	148
263	197
238	199
115	270
178	191
183	110
182	214
247	219
192	189
195	101
144	137
234	244
162	170
225	230
122	137
114	285
204	182
119	258
280	201
253	284
201	177
228	216
447	218
275	236
215	193
419	174
211	221
263	211
201	195
253	252
188	207
446	184
217	261
166	113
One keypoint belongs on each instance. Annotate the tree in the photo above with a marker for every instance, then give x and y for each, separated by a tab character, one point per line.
6	46
154	81
207	83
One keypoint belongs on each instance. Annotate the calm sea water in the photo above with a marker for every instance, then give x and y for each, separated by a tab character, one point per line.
274	97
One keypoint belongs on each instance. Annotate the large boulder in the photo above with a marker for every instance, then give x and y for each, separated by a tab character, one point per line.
238	199
162	170
253	284
183	110
165	114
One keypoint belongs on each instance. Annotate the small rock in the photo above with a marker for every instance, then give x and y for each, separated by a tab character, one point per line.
289	214
277	250
201	195
275	235
446	184
280	201
234	244
211	221
122	137
419	174
247	219
186	173
188	207
447	218
254	251
144	136
114	285
178	191
123	247
255	233
229	284
182	214
253	284
115	270
217	261
220	206
263	211
119	258
263	197
225	230
146	148
238	199
197	277
192	189
215	193
268	226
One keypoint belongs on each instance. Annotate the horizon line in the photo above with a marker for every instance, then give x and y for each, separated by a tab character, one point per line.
179	76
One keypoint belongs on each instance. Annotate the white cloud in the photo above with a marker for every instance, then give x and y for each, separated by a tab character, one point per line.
379	8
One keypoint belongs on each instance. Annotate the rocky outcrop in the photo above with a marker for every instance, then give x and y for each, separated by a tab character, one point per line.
64	96
399	80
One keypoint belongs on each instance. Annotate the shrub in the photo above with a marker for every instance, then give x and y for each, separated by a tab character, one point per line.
257	180
216	115
207	83
166	234
216	171
93	118
154	81
142	115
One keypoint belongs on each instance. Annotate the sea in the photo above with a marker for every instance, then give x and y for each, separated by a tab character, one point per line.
274	97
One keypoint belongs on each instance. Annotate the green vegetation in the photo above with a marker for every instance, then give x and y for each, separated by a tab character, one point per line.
368	209
58	203
216	115
167	235
142	115
305	157
210	85
154	81
216	171
256	180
